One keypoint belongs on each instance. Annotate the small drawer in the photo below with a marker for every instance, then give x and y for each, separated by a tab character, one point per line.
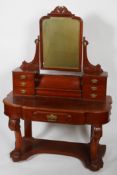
94	95
94	81
22	76
23	91
94	89
23	83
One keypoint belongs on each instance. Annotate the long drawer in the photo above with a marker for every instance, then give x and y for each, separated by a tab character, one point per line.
54	117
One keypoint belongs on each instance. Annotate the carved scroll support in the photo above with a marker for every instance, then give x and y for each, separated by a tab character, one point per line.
96	134
34	64
88	68
14	125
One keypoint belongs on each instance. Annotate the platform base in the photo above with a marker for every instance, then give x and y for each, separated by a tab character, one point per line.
31	146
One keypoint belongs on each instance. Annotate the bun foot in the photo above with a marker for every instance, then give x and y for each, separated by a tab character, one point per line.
95	166
15	155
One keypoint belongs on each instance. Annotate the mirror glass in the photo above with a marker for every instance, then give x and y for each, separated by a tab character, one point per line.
61	39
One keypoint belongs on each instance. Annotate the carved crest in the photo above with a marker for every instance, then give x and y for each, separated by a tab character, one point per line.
61	11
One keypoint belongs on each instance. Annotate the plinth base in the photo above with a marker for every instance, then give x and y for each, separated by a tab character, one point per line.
31	146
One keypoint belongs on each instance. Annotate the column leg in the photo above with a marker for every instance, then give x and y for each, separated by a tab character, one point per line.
28	128
14	125
96	134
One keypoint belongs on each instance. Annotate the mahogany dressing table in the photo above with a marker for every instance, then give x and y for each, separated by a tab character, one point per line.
60	85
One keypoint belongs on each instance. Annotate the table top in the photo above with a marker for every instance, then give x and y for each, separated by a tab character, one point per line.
59	104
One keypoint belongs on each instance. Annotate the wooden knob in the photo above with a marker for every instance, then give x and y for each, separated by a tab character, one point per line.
94	80
93	95
22	77
23	91
23	84
93	88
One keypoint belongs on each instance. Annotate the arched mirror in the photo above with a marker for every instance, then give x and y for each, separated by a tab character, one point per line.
61	41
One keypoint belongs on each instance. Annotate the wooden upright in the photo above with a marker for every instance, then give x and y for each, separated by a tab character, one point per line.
60	86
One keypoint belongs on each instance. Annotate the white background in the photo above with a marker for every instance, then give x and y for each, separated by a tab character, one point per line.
18	29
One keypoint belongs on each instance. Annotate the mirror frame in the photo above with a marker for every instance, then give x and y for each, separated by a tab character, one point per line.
61	12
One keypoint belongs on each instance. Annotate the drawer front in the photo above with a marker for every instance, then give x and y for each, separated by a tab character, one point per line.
54	117
23	84
23	91
94	95
94	87
94	80
21	76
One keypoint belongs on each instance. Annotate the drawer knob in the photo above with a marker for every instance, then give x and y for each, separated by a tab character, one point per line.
22	77
93	95
93	88
52	118
23	91
94	80
23	84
